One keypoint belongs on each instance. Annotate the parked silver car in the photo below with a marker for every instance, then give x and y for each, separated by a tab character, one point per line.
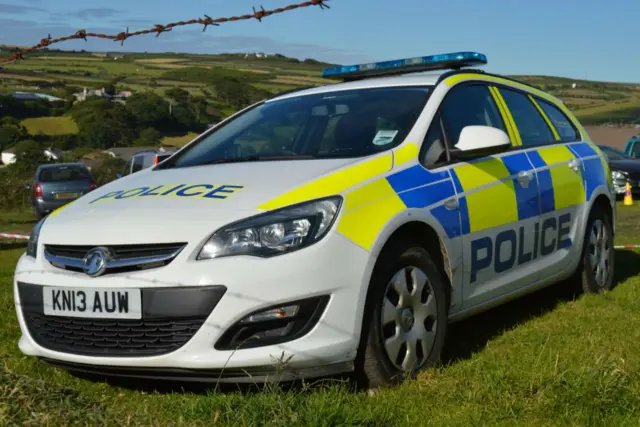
57	184
146	159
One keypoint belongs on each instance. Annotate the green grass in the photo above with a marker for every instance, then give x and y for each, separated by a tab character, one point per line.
546	359
179	141
51	126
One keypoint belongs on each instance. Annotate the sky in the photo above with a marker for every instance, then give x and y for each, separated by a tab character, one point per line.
589	39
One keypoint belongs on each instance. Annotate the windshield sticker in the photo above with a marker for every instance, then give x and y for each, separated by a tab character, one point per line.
194	191
384	137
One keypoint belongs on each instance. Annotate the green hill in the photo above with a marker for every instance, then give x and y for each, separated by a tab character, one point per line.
51	71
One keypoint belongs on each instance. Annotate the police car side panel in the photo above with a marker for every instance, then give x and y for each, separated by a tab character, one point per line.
494	207
498	213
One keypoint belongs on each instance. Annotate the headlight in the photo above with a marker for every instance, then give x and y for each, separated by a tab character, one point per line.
619	175
275	233
32	244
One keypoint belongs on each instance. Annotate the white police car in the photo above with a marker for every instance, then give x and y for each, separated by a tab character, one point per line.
339	228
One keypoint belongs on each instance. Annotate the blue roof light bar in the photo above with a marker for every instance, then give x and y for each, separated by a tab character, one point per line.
446	61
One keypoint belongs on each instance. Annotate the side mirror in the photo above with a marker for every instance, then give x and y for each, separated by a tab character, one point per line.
478	141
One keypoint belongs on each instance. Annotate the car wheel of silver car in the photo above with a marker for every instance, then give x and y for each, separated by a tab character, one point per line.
596	269
405	319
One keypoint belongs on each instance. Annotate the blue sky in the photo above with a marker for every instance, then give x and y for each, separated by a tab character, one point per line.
580	39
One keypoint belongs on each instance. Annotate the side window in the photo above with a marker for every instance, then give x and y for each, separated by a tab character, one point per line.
469	106
137	164
434	150
531	125
560	121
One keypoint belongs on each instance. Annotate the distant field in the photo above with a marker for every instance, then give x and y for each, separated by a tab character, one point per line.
593	102
51	126
179	141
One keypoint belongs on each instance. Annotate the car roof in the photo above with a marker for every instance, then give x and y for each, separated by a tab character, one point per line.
428	78
421	79
57	165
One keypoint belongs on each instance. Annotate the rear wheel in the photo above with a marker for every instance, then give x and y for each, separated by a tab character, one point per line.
405	317
596	269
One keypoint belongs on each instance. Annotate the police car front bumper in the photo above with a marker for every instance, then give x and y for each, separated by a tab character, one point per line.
326	282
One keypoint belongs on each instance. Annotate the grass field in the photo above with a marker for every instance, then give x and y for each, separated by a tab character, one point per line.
547	359
592	102
51	125
178	141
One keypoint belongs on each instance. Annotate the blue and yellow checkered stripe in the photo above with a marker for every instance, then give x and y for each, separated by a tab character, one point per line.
488	193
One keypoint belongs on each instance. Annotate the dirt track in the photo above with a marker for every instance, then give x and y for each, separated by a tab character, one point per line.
613	136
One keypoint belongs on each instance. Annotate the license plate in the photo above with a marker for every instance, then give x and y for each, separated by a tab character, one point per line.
104	303
66	195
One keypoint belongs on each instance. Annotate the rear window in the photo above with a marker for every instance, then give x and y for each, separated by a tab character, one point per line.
64	173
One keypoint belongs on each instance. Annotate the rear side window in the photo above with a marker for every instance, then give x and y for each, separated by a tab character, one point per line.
560	121
531	125
64	173
469	106
138	164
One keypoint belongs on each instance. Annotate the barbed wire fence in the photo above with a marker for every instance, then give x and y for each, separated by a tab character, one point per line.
206	21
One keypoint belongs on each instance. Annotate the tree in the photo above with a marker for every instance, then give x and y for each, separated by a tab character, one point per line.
110	89
149	110
237	93
29	155
149	137
11	131
103	124
178	95
108	170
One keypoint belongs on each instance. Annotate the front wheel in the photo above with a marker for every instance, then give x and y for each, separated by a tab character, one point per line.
596	269
405	318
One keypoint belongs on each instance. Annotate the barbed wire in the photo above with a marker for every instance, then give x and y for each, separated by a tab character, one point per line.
158	29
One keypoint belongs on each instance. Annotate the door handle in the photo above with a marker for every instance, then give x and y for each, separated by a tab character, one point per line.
524	178
574	165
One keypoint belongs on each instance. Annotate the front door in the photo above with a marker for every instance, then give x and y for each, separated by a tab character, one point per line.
497	197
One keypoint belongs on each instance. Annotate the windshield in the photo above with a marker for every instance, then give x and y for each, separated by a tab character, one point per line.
613	154
350	123
64	173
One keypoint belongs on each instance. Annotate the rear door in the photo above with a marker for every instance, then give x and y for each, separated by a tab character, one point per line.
560	174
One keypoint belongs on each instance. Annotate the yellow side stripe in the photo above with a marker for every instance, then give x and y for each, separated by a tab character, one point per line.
516	132
333	183
408	152
504	115
556	135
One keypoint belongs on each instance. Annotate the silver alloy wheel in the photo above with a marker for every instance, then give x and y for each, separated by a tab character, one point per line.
409	319
599	252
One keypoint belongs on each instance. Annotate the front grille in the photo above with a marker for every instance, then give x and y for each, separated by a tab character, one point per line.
118	251
101	337
123	258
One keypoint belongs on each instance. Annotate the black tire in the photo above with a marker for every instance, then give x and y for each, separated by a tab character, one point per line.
374	367
584	278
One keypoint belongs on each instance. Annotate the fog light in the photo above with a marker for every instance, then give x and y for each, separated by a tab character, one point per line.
274	325
273	314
